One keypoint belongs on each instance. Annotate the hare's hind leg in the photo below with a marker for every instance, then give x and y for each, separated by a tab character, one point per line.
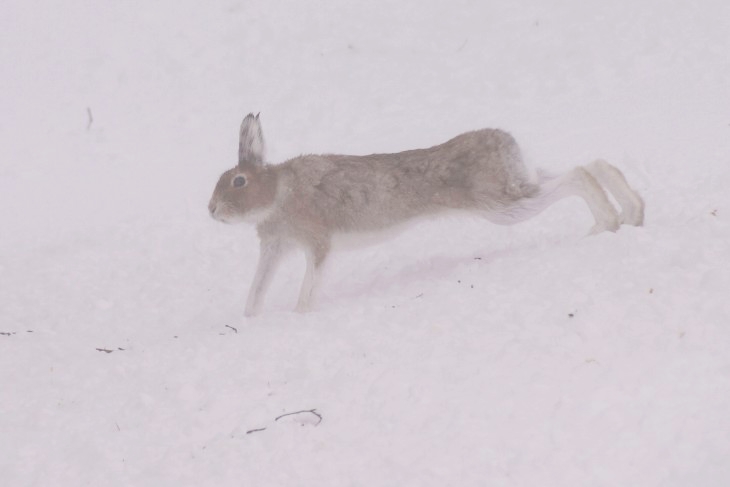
579	182
632	206
551	189
269	257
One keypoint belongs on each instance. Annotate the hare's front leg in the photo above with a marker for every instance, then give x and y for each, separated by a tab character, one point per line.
269	258
315	255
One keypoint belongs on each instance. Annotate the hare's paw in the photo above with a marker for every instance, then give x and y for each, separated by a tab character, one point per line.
611	225
633	215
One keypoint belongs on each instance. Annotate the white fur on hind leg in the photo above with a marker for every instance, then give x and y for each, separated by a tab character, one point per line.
576	182
632	206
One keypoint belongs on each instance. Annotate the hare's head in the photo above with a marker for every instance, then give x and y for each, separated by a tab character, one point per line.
246	192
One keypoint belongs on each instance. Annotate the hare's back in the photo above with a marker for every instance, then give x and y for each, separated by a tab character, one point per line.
351	193
474	170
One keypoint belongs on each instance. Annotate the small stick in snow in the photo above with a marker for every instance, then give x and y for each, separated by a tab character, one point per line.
106	350
310	411
232	328
91	119
255	430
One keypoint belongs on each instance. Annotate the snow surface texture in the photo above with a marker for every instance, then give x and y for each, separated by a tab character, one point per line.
459	354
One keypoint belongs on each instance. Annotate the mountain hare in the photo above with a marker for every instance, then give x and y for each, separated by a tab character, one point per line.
311	199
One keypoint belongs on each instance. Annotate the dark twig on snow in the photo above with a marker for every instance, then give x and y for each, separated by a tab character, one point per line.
310	411
106	350
305	411
232	328
91	119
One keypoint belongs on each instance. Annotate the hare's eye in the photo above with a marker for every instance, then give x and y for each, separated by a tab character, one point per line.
239	181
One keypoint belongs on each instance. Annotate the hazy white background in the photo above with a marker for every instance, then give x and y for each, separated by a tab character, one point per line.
461	353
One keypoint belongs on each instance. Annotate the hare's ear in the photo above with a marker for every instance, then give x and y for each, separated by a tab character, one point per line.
251	142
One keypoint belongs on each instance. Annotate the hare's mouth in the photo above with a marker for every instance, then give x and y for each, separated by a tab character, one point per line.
223	216
215	215
215	211
224	213
220	218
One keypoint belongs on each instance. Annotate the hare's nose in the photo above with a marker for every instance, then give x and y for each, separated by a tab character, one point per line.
212	208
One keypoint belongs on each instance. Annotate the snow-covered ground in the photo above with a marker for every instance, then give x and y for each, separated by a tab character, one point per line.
459	354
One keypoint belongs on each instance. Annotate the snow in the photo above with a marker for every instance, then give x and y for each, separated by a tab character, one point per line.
459	353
